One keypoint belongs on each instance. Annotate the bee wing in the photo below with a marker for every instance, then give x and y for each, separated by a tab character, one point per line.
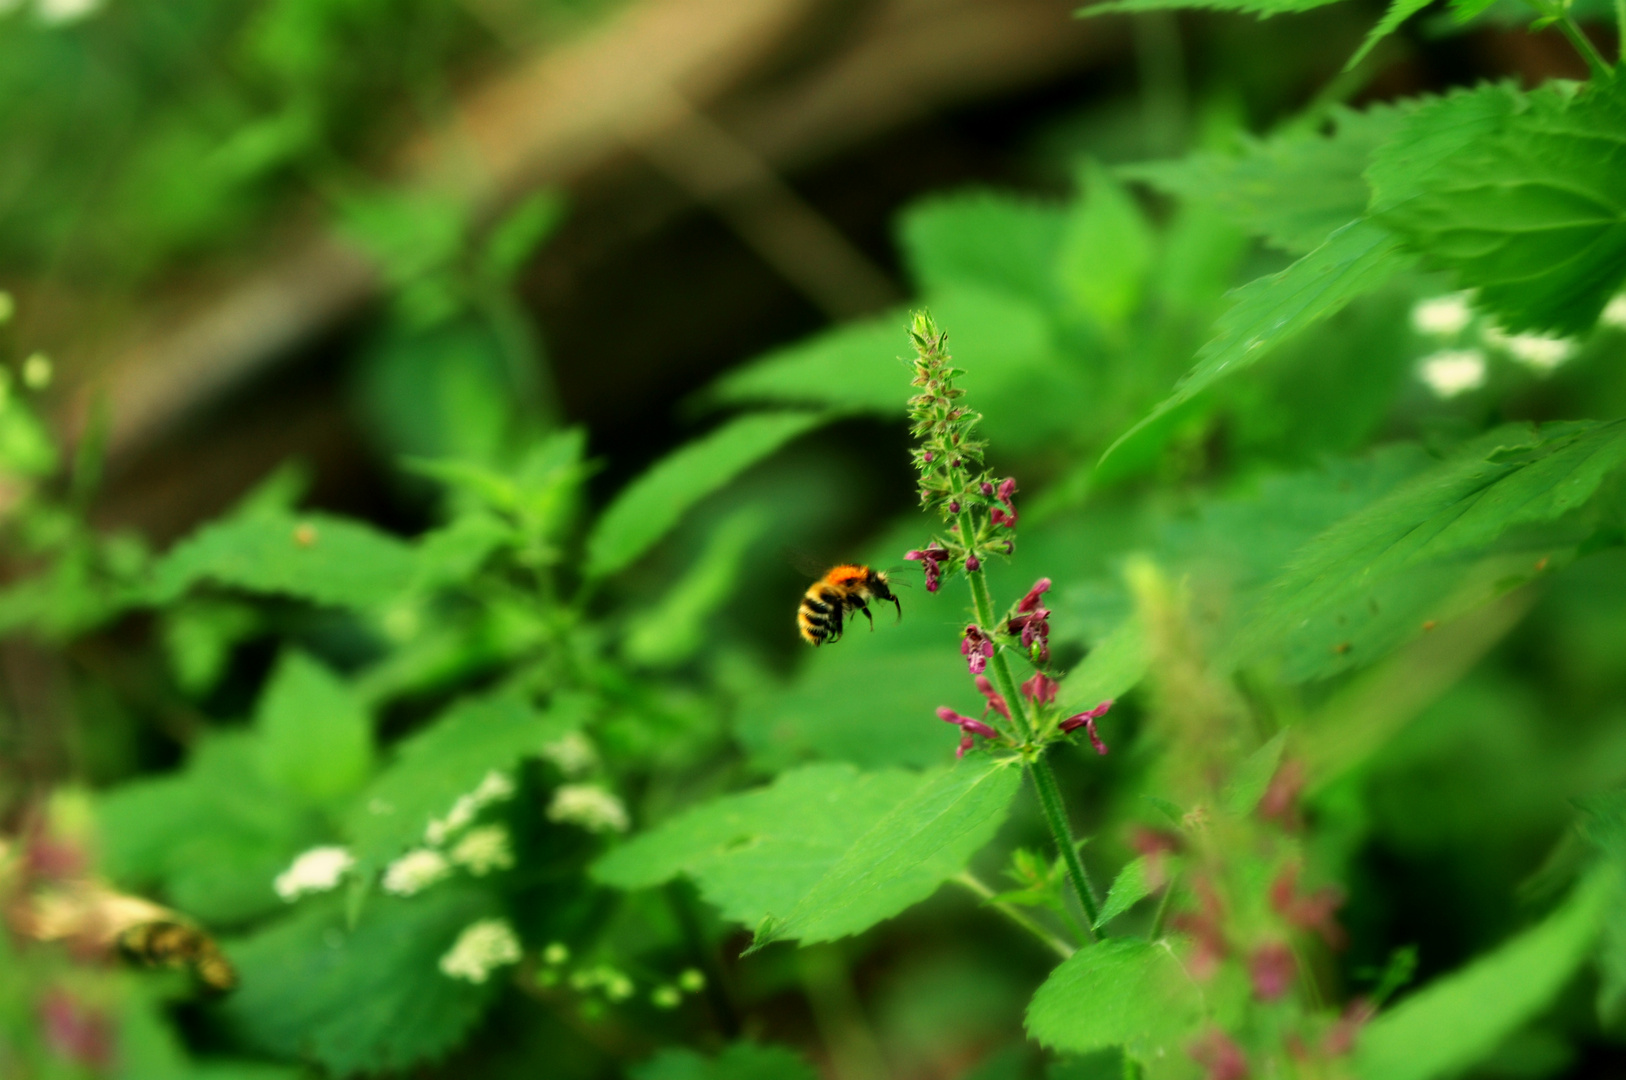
805	562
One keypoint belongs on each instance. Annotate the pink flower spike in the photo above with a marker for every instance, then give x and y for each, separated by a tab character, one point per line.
1031	600
996	702
1041	689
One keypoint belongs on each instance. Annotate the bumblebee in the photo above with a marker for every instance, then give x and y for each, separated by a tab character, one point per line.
168	944
840	592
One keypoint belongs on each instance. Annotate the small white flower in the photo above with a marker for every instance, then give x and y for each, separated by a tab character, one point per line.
479	949
1442	316
573	754
415	871
66	11
1537	351
1453	371
495	787
483	850
1614	313
589	806
317	870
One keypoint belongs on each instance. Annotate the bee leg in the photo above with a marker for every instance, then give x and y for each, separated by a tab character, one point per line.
864	608
899	604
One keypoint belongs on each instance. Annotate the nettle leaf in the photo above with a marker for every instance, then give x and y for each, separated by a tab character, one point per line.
1107	249
447	760
316	557
1399	11
213	837
1293	188
364	999
1523	195
317	740
1131	886
983	240
741	1061
1414	556
924	840
1122	992
1264	313
761	851
648	507
1459	1019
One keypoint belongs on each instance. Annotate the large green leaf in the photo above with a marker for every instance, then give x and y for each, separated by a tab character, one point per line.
1106	251
1264	313
445	761
317	557
1412	557
365	999
1522	195
1459	1019
1294	188
741	1061
214	836
924	840
316	738
762	851
1122	992
982	240
648	507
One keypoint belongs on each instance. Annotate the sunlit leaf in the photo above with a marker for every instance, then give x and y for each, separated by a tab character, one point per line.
1106	250
1132	885
982	240
1120	992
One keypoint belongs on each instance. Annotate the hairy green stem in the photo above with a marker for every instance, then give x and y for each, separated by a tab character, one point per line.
1601	71
1055	813
972	884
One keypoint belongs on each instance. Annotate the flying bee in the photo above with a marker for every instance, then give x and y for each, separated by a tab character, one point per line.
168	944
845	589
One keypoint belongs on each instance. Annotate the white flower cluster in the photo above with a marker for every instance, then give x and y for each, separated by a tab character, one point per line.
1614	313
494	788
480	949
317	870
1453	371
1450	372
573	754
590	806
483	850
415	871
1442	316
1537	352
55	12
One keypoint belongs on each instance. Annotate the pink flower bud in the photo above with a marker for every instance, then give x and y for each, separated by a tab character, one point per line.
1041	689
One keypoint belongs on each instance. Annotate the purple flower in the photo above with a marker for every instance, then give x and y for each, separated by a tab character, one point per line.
1041	689
969	726
987	488
1007	515
1030	602
996	701
1086	720
954	506
972	564
1033	621
1272	969
931	559
976	647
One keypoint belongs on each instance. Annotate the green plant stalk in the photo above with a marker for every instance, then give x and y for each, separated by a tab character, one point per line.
1567	25
1044	780
973	885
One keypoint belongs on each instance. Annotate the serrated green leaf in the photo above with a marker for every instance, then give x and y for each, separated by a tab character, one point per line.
1121	992
454	553
648	507
1414	557
1253	776
213	837
1399	11
370	998
1106	250
1523	196
316	557
741	1061
761	851
1294	188
982	240
316	739
1264	313
1131	886
1459	1019
924	840
446	760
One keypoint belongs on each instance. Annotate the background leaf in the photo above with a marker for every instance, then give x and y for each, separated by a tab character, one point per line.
648	507
1120	992
318	740
741	1061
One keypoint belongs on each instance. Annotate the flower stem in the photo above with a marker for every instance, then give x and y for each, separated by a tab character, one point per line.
1044	782
1567	25
974	885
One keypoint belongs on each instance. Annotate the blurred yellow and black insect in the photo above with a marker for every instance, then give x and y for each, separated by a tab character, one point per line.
845	589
